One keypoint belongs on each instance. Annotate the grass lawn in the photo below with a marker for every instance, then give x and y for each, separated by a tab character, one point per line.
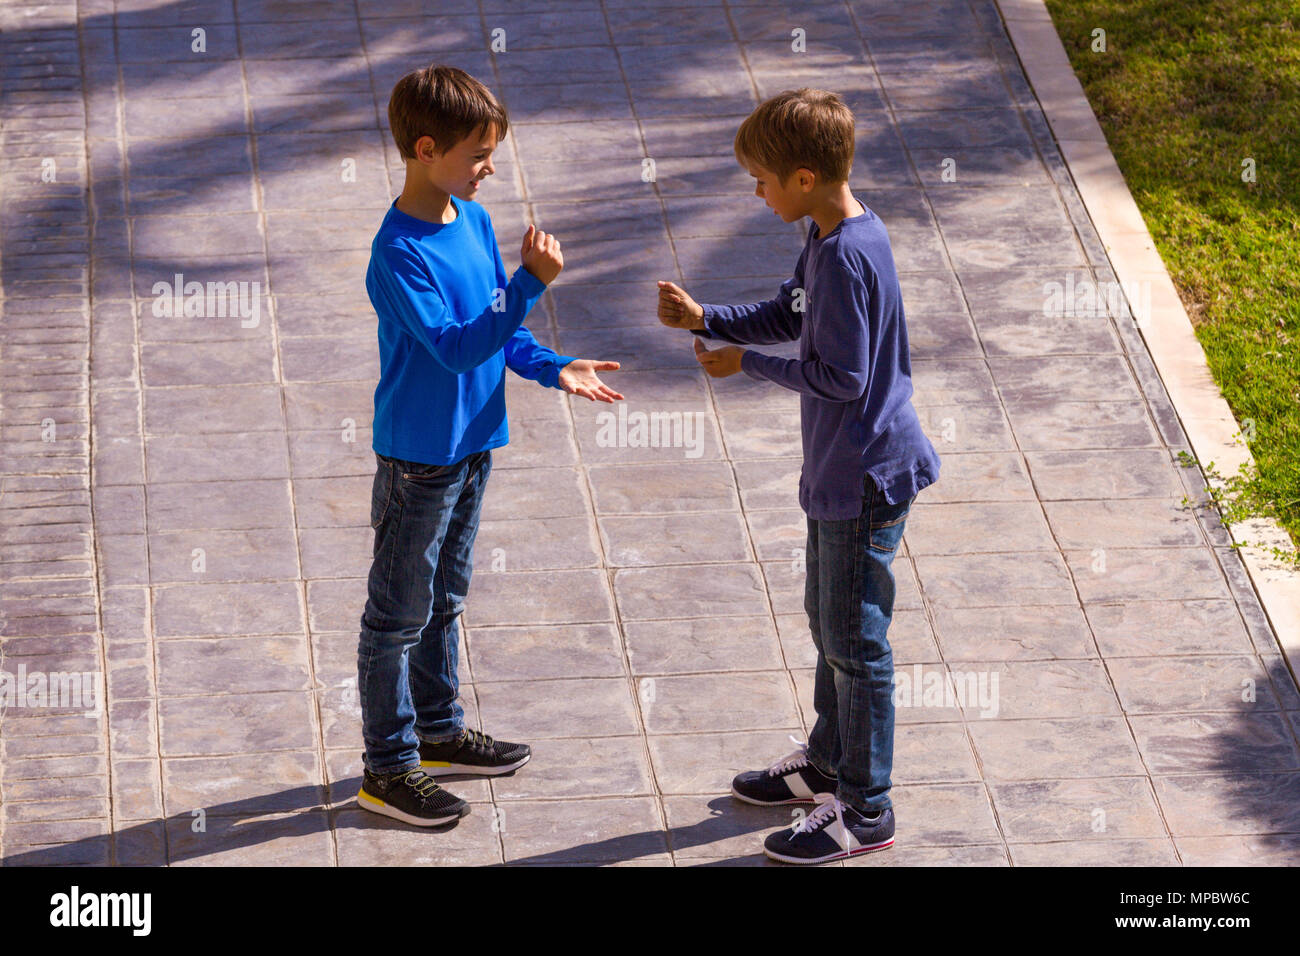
1187	91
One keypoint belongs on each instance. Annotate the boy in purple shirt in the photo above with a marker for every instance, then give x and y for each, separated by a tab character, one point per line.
865	458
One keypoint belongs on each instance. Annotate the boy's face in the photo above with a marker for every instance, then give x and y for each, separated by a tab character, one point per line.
459	171
791	200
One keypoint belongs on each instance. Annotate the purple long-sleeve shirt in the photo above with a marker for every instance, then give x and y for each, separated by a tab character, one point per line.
854	371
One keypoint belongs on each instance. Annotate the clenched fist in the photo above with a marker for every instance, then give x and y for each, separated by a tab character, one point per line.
719	363
677	309
541	255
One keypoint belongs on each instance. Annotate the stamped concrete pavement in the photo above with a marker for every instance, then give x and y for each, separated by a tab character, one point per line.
185	498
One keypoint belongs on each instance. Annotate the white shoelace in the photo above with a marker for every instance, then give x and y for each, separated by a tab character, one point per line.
791	761
827	806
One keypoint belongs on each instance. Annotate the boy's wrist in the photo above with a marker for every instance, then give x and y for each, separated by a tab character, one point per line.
531	277
551	377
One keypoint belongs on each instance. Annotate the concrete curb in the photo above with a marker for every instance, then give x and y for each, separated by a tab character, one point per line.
1163	323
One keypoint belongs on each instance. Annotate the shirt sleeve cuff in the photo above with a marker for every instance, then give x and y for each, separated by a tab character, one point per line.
706	332
550	376
750	363
529	283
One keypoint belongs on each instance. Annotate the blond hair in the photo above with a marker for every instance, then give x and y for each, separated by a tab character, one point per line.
799	128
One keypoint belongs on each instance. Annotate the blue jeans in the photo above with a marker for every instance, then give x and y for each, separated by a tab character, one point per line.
425	519
849	597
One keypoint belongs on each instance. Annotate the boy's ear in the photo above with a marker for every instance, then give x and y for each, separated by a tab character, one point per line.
807	179
426	150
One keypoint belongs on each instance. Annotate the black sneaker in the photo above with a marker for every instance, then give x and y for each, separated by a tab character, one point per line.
834	831
472	752
411	796
792	779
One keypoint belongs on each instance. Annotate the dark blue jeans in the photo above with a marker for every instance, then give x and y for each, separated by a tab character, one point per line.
425	519
849	597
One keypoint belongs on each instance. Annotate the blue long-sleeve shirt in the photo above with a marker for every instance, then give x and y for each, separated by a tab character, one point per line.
854	371
449	326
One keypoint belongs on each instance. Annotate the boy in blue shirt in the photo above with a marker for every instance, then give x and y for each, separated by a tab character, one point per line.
865	458
449	326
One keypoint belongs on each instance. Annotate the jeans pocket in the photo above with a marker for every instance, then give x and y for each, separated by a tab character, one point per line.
414	471
381	494
419	471
885	522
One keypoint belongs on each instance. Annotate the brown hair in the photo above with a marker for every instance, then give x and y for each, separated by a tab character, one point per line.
445	103
804	127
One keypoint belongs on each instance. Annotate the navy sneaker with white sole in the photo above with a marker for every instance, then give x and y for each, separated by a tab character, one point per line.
792	779
472	752
834	831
